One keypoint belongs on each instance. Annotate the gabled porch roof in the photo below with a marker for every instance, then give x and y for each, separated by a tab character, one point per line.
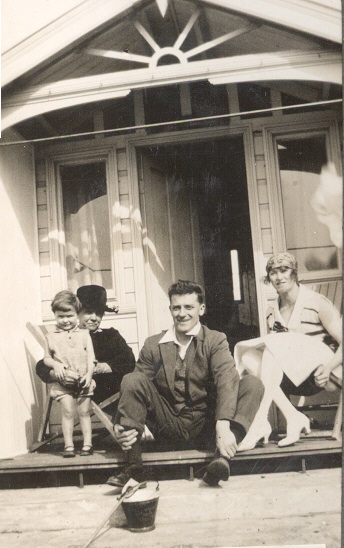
93	54
320	18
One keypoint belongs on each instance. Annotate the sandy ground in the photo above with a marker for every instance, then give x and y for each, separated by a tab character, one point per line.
277	509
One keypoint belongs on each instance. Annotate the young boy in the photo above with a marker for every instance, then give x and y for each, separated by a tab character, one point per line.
70	348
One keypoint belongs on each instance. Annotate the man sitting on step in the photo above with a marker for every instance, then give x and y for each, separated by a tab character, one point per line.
170	385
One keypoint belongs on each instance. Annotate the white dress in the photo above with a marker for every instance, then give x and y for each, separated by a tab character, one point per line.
301	348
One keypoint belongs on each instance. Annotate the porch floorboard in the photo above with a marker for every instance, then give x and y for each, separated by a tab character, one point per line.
110	458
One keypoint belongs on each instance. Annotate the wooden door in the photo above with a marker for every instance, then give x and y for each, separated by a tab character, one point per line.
171	239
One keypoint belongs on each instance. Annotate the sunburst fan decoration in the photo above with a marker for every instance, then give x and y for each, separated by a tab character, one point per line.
162	5
175	50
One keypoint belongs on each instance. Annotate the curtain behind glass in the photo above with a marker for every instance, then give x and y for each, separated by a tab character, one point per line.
300	162
86	224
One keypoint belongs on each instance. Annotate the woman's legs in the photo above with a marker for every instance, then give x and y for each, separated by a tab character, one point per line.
271	375
84	412
271	378
68	411
296	421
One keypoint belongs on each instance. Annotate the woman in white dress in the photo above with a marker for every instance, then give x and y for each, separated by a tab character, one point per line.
301	355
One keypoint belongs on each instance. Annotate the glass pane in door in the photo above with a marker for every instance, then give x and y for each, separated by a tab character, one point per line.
86	225
300	163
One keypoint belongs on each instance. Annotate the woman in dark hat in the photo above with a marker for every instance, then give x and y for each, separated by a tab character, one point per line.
302	355
115	358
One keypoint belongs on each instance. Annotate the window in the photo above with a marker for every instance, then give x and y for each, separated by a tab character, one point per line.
86	225
300	160
89	226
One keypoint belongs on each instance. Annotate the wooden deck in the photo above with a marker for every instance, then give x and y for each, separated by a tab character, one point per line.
284	509
51	460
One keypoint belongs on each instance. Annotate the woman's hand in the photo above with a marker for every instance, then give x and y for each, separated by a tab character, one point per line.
225	439
102	367
70	379
60	371
322	375
125	438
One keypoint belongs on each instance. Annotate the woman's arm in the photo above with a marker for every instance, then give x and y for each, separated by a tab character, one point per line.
58	367
332	322
331	319
47	375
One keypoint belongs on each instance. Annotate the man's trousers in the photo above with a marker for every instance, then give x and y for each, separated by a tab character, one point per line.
140	403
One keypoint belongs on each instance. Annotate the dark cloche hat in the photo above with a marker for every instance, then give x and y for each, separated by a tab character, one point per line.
94	297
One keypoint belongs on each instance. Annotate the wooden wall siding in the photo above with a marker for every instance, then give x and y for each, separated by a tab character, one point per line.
127	245
43	237
264	210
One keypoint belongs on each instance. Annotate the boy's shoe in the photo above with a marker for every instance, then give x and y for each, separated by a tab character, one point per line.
217	470
69	452
137	473
86	451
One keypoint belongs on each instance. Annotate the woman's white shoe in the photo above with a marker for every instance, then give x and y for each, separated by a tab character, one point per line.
294	429
259	430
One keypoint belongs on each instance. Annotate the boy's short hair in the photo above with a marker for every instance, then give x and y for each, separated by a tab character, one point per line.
65	300
185	287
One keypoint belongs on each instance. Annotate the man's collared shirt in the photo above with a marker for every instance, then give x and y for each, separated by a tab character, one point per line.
170	336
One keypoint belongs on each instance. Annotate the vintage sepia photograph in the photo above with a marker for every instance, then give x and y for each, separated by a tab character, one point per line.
171	330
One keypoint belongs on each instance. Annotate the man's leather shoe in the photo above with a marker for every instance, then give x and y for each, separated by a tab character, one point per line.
137	473
217	470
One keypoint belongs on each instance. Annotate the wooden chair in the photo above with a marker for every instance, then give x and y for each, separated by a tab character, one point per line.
39	332
323	402
332	289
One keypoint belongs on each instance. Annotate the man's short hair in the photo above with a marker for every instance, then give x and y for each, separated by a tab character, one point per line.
64	301
185	287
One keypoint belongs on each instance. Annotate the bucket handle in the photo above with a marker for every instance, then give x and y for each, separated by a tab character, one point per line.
132	489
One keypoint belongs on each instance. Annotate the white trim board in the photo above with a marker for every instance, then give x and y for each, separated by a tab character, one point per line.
318	18
295	65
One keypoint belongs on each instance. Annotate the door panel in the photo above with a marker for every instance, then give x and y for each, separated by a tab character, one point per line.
156	242
196	217
171	237
186	244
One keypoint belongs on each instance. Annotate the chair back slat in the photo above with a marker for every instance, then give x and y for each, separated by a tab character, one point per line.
331	289
39	332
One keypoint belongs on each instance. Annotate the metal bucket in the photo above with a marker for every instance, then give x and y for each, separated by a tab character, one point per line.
140	510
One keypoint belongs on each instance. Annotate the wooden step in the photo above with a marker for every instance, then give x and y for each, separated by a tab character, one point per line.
30	462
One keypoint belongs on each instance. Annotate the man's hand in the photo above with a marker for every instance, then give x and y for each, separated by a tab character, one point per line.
125	438
322	375
225	439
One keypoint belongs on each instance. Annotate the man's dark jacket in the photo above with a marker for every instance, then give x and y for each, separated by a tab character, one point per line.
208	361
